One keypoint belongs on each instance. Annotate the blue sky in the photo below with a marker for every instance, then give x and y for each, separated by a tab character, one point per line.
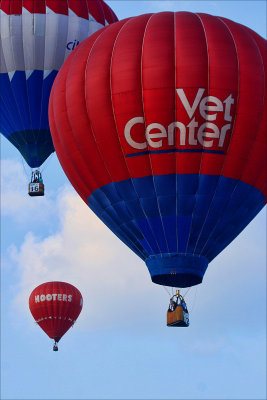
127	352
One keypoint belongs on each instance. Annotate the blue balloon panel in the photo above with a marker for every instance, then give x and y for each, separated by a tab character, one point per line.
177	223
24	114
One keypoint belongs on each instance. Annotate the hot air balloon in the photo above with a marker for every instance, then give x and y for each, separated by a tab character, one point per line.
36	38
159	122
55	306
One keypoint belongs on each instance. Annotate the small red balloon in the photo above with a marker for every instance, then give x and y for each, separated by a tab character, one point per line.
55	306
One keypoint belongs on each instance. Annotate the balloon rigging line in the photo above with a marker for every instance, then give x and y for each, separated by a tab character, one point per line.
167	290
47	162
23	163
194	301
187	291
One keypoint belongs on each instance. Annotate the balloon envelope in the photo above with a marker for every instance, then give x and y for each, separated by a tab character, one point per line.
36	38
55	306
159	122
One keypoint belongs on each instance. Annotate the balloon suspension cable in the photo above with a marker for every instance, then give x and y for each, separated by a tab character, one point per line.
194	301
187	291
23	164
47	161
167	291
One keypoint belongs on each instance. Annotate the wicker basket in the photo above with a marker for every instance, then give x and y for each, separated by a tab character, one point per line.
36	189
177	317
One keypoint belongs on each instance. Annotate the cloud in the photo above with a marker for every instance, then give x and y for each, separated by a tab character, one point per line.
85	253
114	282
15	201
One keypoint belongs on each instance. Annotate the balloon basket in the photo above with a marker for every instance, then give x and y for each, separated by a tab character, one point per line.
55	347
36	189
178	317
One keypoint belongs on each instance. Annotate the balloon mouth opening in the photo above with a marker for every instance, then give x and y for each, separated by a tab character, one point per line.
177	270
177	280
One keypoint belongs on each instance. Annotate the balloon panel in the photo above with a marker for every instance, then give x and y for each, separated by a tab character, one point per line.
36	38
167	116
55	306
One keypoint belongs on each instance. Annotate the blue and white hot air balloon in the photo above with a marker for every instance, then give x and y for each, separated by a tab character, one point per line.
36	38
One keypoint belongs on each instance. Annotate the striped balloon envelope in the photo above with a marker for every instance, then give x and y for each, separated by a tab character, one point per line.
36	38
159	121
55	306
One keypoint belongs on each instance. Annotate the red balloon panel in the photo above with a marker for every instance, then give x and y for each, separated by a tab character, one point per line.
195	97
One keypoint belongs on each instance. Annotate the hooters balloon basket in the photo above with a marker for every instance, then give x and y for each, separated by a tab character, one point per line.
177	314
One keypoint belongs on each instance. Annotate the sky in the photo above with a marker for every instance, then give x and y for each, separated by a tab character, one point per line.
120	347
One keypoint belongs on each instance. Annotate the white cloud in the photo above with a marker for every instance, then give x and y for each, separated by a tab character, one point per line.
15	201
115	283
85	253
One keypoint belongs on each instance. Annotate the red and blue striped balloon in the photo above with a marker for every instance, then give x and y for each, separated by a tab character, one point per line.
159	122
36	37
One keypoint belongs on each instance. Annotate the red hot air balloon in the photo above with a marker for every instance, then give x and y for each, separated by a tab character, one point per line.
159	122
55	306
